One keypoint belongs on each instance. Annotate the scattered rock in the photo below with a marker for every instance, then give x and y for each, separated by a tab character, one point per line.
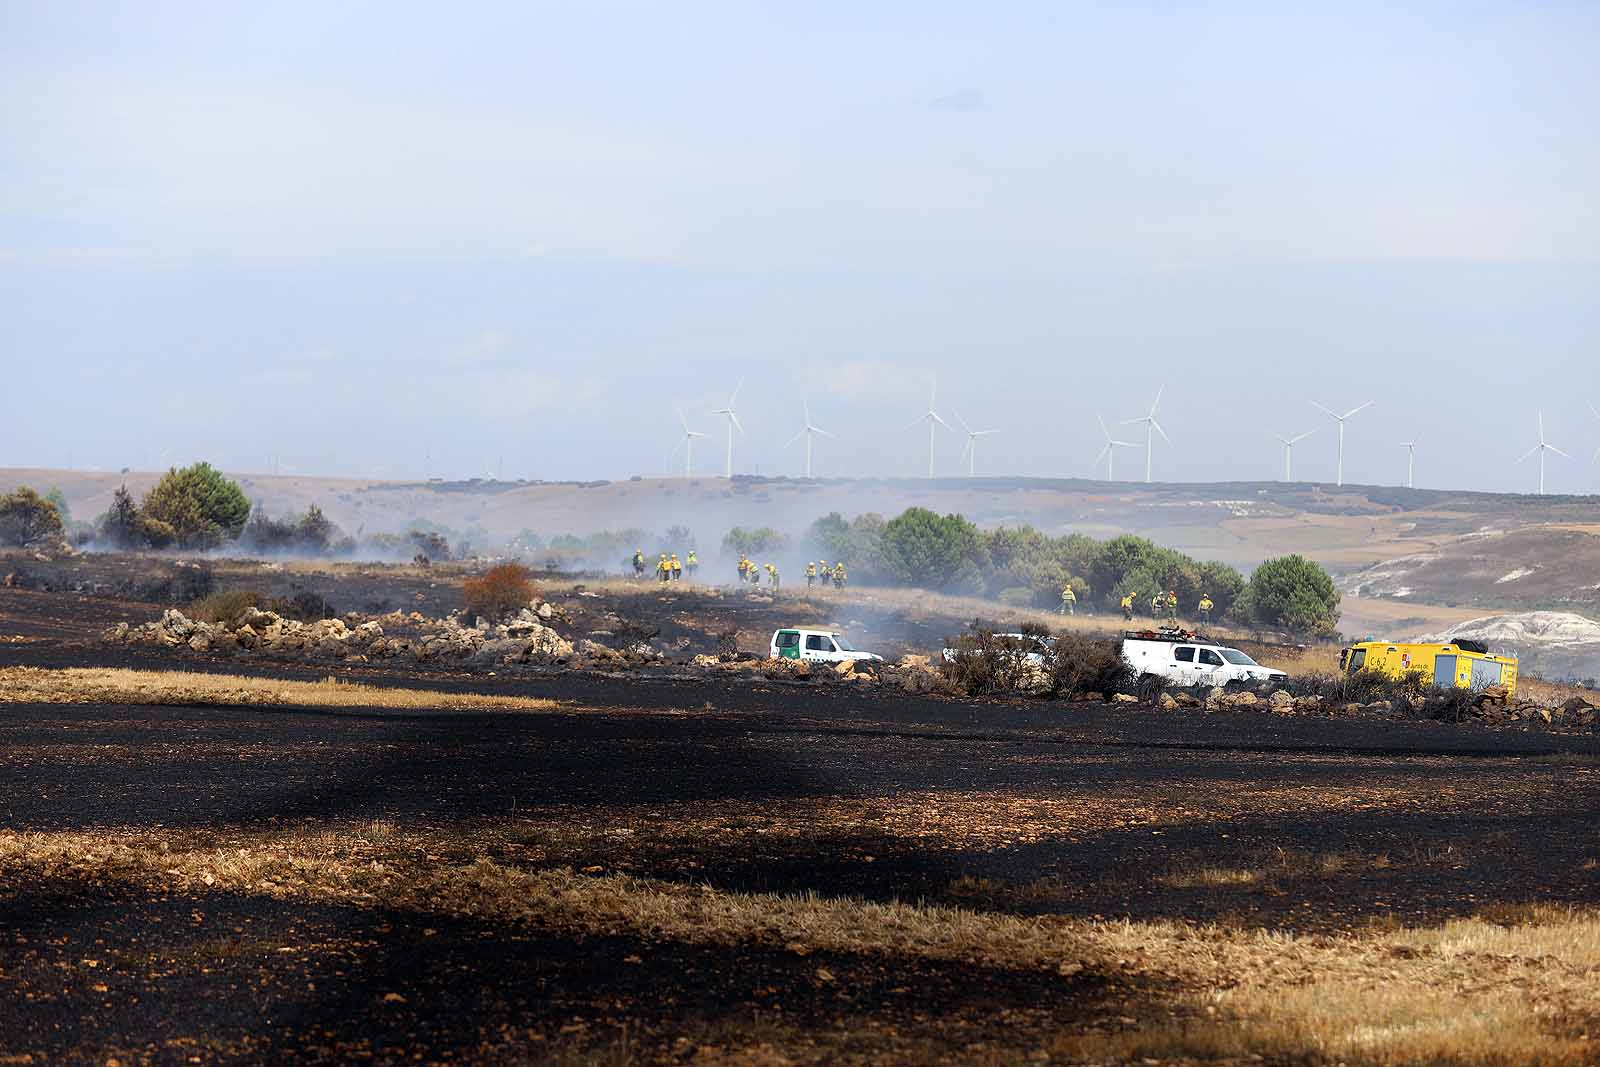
1166	702
1123	698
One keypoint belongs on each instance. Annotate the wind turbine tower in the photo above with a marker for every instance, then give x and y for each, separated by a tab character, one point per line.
1411	463
1109	452
971	451
1151	428
686	442
1288	452
1340	419
808	431
934	422
733	424
1541	448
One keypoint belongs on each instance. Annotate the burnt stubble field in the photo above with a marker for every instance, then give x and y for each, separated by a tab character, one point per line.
660	869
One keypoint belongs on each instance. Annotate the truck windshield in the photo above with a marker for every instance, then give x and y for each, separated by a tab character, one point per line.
1234	656
844	646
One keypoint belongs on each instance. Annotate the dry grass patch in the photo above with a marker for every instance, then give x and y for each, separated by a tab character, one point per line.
1517	986
94	685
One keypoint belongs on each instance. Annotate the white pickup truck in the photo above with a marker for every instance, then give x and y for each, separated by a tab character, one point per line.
1185	658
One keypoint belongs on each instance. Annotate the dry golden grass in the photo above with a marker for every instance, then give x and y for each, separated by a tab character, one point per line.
96	685
1516	986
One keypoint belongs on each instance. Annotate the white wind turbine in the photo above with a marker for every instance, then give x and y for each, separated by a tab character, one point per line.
1151	428
1339	479
1596	413
1288	452
1541	448
934	422
686	442
733	424
971	451
1109	452
1411	463
809	431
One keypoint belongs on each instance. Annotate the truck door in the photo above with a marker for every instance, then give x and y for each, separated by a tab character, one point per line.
1183	666
1210	666
1444	672
788	644
818	646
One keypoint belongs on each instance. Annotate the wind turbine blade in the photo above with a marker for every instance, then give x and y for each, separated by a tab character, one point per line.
918	421
1558	451
735	394
1103	431
1322	409
736	423
962	421
1157	404
1128	444
935	417
1594	410
983	433
795	438
1131	422
1160	431
1101	455
1362	408
677	446
1541	427
805	405
683	420
1283	439
819	429
966	448
1530	453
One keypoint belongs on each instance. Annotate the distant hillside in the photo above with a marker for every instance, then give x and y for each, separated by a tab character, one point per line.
1239	522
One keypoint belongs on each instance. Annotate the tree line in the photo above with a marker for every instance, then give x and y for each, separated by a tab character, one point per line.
1024	566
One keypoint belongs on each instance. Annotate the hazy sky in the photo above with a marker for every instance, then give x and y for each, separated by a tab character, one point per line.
404	239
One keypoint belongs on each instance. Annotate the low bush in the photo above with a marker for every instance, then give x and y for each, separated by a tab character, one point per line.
1080	665
1363	687
223	607
498	592
984	662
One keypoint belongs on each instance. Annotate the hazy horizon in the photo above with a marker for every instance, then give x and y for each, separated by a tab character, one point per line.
372	241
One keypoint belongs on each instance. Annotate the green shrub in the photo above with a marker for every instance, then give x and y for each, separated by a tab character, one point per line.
223	607
28	519
201	506
1294	593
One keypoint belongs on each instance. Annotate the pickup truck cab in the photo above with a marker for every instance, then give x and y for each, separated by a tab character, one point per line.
1185	658
824	646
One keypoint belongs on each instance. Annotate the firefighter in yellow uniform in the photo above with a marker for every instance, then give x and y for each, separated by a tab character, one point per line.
823	572
811	575
638	563
1172	605
772	576
1205	608
838	575
677	568
692	564
744	565
663	569
1127	606
1069	601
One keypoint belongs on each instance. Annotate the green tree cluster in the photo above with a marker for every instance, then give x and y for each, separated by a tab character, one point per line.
759	542
202	507
1020	564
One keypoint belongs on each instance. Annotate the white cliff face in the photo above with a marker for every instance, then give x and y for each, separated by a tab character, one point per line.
1554	644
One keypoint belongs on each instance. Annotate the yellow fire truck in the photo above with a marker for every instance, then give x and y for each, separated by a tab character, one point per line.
1458	664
